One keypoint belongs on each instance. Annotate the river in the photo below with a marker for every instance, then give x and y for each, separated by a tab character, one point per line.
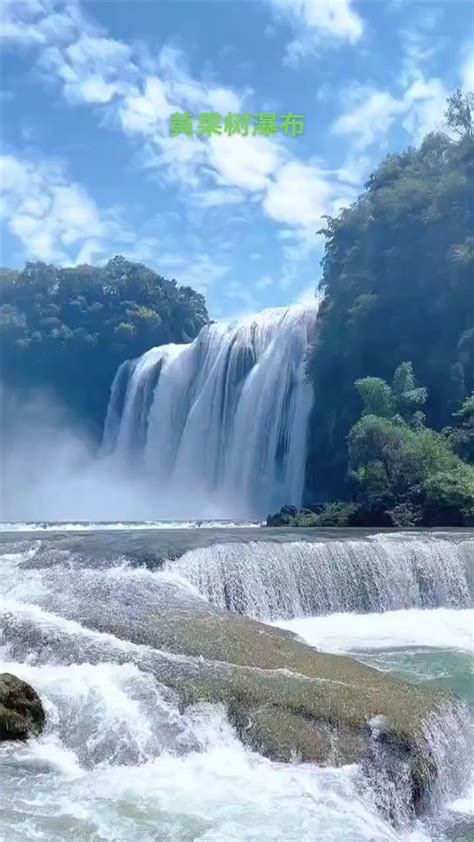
120	758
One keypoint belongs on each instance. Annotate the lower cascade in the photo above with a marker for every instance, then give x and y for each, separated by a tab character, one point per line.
220	425
269	579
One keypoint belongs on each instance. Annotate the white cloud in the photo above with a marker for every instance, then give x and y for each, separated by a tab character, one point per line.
467	68
425	106
420	42
201	273
136	92
52	217
318	24
35	22
417	101
219	196
299	195
307	295
147	111
372	116
298	243
223	100
139	94
238	291
245	162
373	113
265	282
178	160
92	69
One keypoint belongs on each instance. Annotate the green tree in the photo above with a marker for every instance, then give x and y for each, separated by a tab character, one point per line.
459	113
70	328
397	283
403	470
461	437
409	398
377	397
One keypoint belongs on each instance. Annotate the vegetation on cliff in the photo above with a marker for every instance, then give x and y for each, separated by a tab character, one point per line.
398	275
70	328
400	472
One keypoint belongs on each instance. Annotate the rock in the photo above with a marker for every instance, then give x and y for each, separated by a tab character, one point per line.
279	733
21	712
285	517
285	698
289	510
278	519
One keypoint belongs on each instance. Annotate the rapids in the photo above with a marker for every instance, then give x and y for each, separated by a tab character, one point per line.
121	761
266	580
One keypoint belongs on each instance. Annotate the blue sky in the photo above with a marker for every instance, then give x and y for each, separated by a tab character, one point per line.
89	168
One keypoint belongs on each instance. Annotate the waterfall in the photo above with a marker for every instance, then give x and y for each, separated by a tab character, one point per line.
269	580
219	426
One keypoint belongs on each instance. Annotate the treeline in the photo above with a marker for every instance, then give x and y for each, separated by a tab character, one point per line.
398	281
70	328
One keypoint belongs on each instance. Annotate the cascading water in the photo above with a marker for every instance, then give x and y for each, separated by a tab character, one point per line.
120	759
219	425
267	580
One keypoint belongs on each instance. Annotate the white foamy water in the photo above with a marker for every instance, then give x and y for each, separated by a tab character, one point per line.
404	639
119	762
269	580
221	424
82	526
439	628
464	805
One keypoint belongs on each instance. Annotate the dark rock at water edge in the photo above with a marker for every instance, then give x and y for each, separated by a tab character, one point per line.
289	510
21	712
328	514
341	513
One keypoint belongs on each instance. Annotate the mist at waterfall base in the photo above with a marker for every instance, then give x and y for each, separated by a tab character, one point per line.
214	429
121	762
50	470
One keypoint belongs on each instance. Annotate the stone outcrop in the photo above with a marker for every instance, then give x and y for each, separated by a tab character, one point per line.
21	712
286	699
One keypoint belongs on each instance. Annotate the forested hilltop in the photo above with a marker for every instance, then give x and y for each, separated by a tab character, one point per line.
398	284
70	328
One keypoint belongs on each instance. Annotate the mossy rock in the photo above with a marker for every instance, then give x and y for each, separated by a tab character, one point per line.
286	699
291	702
21	712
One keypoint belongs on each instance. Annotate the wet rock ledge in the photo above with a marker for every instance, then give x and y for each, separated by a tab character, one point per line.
21	712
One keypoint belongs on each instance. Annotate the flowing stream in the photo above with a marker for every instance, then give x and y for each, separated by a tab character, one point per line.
268	580
120	760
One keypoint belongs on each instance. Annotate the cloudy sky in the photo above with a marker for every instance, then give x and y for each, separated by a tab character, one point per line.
90	169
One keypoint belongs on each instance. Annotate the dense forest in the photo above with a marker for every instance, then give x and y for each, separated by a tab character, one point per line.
399	471
398	284
70	328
